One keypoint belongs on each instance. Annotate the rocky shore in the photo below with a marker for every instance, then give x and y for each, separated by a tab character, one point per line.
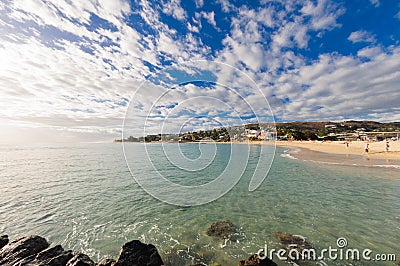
36	251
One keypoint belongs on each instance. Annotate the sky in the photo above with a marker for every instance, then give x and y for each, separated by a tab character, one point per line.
81	70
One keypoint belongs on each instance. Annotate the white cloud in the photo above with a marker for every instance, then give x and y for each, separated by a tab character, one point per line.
60	85
209	16
397	15
226	6
361	36
323	14
199	3
370	52
343	86
375	3
174	9
192	28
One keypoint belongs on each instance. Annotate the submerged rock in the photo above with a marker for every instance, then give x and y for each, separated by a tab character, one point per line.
292	240
3	241
136	253
222	229
254	260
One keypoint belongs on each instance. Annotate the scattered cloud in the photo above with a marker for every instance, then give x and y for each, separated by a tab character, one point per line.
361	36
323	14
375	3
174	9
209	16
199	3
397	15
74	66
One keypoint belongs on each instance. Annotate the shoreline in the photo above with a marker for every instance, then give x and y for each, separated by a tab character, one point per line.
376	149
334	151
337	153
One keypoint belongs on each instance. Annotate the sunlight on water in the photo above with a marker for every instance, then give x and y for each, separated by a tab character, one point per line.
84	198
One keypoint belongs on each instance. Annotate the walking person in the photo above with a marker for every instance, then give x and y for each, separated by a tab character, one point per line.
367	148
387	146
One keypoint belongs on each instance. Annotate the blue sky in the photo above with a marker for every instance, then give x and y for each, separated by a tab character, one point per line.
75	69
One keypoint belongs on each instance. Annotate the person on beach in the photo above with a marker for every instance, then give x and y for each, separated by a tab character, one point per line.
367	148
387	146
347	144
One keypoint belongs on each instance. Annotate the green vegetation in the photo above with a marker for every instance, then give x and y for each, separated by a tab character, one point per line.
347	130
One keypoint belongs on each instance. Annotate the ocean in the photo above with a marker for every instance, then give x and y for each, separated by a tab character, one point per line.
84	197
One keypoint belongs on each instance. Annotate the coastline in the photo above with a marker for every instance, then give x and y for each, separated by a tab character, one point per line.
376	149
337	152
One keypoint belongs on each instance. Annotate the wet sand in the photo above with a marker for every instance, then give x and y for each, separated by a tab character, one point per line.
337	152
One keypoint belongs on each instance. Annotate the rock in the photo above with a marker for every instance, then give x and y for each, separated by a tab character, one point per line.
22	248
49	253
254	260
201	264
80	259
3	241
106	262
136	253
53	256
292	240
35	251
222	229
58	260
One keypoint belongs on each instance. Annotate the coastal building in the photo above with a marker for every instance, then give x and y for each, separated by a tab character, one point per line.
330	127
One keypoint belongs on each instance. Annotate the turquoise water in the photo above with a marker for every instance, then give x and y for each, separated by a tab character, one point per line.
84	197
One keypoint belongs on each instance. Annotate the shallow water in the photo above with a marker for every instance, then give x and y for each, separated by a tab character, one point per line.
84	197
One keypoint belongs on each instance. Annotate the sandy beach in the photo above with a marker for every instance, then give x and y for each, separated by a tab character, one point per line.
376	149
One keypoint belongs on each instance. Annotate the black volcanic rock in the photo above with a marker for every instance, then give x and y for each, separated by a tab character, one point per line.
3	241
35	251
21	249
52	256
106	262
254	260
136	253
222	229
80	259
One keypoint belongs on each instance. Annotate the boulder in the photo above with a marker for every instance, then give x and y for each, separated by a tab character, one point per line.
222	229
293	242
287	240
35	251
3	241
53	256
80	259
58	260
21	249
254	260
136	253
106	262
